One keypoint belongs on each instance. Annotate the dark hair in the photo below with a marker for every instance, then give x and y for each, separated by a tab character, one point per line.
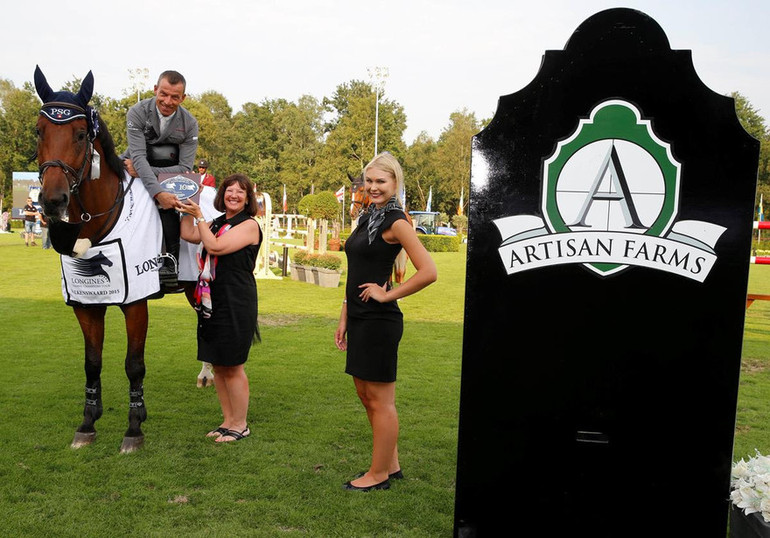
173	77
108	147
246	184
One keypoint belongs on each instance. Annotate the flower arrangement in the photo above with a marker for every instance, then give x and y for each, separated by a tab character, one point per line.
750	481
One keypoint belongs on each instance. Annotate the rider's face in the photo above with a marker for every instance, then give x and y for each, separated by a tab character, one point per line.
169	96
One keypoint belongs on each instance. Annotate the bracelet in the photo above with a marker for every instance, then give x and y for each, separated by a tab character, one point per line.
199	220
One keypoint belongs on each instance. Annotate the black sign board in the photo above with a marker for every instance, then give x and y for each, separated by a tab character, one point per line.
610	230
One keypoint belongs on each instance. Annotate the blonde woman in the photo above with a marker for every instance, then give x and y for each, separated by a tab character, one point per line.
371	323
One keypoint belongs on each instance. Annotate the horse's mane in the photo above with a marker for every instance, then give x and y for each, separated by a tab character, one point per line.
108	147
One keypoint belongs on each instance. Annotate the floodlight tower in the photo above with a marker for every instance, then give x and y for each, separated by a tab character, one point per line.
377	75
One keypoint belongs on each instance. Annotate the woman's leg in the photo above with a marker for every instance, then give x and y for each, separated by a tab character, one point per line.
379	399
233	392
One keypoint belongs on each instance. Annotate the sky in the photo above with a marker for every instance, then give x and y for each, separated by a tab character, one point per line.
441	56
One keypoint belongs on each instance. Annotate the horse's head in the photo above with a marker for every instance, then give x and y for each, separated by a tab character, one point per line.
65	131
359	199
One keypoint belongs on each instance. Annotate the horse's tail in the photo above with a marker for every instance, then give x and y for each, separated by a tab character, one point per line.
399	266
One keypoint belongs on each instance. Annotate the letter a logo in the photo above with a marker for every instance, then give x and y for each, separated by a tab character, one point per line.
613	174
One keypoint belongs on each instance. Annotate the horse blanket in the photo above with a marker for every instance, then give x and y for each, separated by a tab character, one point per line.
123	267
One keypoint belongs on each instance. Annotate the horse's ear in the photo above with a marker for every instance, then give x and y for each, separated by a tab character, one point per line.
44	91
86	88
351	178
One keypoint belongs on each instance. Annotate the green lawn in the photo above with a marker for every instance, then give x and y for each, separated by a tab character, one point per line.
309	431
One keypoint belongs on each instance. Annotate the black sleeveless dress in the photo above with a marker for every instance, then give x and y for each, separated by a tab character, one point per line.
374	329
225	338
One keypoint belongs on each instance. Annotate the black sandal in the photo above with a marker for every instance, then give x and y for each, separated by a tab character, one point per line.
219	432
236	435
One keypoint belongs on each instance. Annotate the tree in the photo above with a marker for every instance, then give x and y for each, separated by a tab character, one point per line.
215	125
19	109
755	125
349	145
252	149
299	136
323	205
419	171
453	160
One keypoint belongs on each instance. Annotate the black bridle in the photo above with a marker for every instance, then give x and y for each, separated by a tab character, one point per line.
75	179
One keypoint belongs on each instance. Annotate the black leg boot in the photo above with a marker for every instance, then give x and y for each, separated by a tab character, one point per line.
169	270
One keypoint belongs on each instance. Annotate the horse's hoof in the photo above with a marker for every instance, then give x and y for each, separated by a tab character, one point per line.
83	439
131	444
204	382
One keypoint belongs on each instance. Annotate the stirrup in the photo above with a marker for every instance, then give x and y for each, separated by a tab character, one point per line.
168	274
171	267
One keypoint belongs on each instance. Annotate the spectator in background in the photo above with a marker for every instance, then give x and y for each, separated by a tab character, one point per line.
44	237
30	215
207	179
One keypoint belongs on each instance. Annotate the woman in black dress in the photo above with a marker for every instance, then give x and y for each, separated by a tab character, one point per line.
226	296
371	323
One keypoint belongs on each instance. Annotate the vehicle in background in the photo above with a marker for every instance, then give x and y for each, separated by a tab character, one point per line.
426	222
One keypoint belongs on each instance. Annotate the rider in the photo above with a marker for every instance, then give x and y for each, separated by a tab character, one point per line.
207	180
163	138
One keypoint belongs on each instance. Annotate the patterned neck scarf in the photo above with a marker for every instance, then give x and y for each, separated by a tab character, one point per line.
207	263
377	216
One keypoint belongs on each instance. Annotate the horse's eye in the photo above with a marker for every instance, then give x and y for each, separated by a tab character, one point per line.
81	136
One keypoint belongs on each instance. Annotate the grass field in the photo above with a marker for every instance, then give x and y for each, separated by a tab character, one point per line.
309	431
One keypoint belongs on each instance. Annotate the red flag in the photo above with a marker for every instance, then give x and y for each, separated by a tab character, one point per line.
340	194
284	198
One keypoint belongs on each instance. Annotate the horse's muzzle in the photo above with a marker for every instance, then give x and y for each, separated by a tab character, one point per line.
55	209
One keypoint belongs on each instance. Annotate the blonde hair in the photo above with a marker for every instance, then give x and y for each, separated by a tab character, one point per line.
388	163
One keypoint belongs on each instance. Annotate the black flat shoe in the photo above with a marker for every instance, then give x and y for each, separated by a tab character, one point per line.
385	484
398	475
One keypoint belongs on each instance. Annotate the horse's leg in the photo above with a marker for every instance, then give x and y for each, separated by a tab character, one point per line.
206	375
136	331
399	266
91	321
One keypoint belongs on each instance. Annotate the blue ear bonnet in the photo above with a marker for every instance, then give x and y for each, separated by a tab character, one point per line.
63	106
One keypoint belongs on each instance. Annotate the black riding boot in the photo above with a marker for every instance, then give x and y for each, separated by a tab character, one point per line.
169	220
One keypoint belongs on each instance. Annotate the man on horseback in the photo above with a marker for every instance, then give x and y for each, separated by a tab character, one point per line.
163	138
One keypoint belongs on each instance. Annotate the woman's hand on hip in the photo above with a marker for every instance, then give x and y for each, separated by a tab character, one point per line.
373	291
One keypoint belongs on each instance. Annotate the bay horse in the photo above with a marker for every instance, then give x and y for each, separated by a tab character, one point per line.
359	201
82	195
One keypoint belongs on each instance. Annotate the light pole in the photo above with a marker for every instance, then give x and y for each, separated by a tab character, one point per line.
139	77
377	75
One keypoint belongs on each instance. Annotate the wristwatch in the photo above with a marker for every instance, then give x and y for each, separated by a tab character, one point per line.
200	220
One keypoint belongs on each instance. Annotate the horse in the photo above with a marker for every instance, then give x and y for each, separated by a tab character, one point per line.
359	201
82	194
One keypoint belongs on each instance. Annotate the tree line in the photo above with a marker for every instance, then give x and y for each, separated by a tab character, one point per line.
308	145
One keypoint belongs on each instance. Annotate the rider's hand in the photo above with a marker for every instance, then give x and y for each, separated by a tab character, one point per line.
130	168
166	200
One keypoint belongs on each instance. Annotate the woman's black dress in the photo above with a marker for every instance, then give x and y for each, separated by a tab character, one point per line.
373	329
225	338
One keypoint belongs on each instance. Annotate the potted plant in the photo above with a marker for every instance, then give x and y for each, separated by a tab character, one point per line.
750	496
326	270
298	266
